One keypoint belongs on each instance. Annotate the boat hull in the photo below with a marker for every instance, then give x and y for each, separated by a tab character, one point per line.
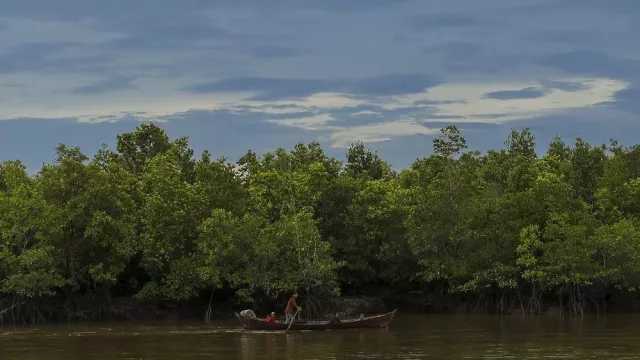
373	322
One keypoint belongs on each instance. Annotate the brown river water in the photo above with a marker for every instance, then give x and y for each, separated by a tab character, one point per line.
409	337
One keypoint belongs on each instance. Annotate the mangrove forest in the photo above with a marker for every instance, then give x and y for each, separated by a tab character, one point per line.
503	231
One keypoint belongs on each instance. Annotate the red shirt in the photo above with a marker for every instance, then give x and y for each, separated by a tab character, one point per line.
271	319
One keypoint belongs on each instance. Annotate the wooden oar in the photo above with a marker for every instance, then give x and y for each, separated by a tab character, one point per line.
292	320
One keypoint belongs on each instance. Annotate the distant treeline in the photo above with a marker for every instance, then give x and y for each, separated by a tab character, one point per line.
501	231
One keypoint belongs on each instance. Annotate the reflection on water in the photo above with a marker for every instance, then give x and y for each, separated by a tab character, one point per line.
411	337
248	346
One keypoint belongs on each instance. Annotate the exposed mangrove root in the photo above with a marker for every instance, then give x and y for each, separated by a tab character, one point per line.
16	305
207	315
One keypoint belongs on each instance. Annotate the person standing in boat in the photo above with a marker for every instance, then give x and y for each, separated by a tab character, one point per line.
292	308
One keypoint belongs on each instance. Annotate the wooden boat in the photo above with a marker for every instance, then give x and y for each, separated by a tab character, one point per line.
378	321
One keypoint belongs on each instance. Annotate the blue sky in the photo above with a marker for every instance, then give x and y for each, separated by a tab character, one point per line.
235	75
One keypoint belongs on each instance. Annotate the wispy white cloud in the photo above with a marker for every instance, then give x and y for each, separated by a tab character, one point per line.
366	113
458	102
385	131
316	122
469	101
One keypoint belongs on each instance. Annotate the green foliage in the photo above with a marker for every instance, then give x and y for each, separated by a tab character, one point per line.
449	143
92	217
27	261
168	226
364	162
465	225
521	143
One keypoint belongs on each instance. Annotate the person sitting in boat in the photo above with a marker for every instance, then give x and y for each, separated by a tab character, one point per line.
292	308
271	318
336	319
361	316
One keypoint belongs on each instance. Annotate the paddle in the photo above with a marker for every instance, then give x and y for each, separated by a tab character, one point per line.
292	320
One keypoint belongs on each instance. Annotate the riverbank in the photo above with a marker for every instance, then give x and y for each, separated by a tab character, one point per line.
55	310
128	309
